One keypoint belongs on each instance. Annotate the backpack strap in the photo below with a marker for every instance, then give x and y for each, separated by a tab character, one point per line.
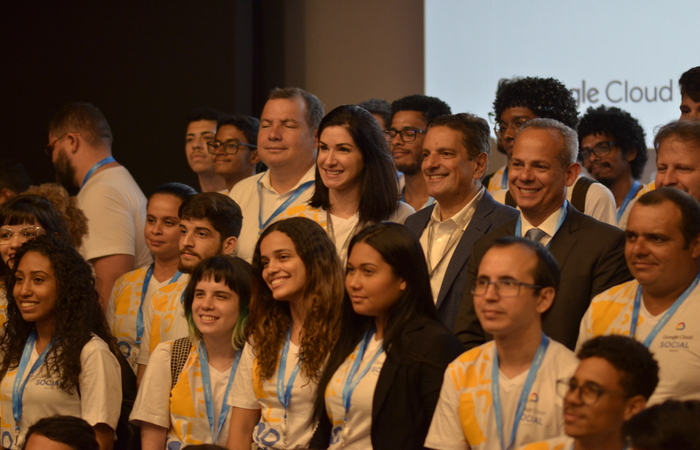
578	196
510	201
178	358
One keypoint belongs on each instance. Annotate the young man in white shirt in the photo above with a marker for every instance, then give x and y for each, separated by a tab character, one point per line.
501	394
287	146
614	380
661	305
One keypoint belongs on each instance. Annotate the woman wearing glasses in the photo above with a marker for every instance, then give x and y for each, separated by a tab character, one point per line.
234	148
382	381
355	176
27	216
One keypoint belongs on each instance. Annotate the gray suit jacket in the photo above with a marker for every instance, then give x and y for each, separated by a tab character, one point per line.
591	259
489	215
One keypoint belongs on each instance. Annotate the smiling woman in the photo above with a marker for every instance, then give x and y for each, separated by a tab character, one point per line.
182	399
59	357
297	287
355	175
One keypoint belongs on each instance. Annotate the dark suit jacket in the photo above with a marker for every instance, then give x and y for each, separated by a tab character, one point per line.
489	215
407	389
591	259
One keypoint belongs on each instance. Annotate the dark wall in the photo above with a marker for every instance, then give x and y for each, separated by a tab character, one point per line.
144	64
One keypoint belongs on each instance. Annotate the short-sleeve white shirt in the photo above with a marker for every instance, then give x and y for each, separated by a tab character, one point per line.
250	392
675	348
116	211
99	400
181	410
464	416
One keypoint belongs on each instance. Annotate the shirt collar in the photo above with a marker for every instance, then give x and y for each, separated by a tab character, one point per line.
310	175
462	218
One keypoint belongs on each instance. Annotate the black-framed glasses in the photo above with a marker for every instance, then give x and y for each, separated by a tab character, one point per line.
49	148
600	150
504	288
407	134
25	234
589	393
228	148
501	127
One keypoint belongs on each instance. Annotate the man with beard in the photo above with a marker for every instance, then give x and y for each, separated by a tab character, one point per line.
80	147
613	150
409	121
210	224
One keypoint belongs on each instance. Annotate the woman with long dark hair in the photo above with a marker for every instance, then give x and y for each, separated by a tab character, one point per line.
383	378
294	314
189	407
355	175
49	211
58	354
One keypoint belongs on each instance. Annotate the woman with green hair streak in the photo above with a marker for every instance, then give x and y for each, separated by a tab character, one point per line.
182	398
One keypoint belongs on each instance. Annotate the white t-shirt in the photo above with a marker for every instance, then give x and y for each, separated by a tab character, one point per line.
250	392
557	443
99	401
163	318
183	410
464	416
675	347
356	433
116	211
345	229
600	202
123	308
245	193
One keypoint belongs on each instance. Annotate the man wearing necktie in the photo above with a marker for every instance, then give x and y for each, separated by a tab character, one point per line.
589	252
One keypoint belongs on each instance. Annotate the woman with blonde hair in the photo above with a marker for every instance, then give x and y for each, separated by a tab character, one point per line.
294	317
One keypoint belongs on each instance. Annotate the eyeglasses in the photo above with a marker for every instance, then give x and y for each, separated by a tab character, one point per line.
25	234
229	147
504	288
407	134
599	150
49	148
589	393
502	127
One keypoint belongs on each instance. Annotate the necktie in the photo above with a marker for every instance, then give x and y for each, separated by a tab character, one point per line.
534	234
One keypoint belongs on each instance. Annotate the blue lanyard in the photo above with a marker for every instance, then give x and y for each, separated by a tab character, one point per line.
19	385
144	290
665	318
297	192
92	170
524	394
628	198
284	394
351	382
562	217
504	179
209	396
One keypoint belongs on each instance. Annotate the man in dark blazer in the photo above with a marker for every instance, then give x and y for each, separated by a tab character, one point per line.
455	156
590	253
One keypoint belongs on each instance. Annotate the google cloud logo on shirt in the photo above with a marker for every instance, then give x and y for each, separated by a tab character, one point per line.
680	326
534	397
